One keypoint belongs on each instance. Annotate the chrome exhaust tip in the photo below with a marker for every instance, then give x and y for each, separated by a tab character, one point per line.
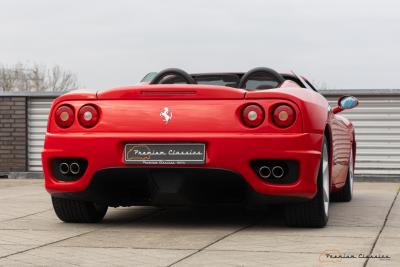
264	172
64	168
74	167
278	172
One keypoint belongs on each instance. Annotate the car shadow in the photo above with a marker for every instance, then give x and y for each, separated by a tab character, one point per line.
204	217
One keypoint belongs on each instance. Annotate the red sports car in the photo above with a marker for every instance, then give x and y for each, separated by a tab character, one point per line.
258	137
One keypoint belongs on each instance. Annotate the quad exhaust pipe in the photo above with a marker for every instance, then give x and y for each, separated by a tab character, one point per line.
74	167
66	169
276	172
264	172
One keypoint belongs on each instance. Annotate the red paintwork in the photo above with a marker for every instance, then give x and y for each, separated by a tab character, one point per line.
204	114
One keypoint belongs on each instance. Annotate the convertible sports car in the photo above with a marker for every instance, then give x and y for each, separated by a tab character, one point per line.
250	138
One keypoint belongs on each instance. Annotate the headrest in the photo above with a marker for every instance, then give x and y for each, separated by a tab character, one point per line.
266	86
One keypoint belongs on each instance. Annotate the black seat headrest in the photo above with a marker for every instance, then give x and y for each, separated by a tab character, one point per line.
266	86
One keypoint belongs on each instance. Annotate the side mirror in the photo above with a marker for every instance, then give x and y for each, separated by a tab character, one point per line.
346	102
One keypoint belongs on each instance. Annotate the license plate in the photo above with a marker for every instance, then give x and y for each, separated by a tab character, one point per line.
185	153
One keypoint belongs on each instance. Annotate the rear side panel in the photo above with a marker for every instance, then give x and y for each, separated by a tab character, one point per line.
342	135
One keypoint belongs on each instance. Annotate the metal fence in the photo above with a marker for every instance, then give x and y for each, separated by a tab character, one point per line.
38	112
377	125
376	122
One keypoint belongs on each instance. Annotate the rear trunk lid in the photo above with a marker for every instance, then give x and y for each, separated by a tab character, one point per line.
171	108
171	91
170	115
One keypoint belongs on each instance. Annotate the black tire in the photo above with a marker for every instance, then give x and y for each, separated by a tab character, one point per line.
345	194
311	213
76	211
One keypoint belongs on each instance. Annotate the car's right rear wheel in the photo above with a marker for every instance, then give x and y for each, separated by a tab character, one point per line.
77	211
313	213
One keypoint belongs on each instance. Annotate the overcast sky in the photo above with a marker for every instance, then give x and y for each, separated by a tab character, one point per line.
343	43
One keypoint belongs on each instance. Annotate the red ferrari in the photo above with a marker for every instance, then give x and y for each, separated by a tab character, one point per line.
258	137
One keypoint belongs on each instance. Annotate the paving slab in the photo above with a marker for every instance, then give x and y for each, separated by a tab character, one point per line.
388	242
77	256
258	241
386	246
342	215
170	229
251	258
394	216
11	249
32	235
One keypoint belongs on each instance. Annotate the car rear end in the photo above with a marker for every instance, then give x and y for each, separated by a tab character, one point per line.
180	145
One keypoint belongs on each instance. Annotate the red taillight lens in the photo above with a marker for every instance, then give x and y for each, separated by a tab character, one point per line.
253	115
283	116
64	116
88	116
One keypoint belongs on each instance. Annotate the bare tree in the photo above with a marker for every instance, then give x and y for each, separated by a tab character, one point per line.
35	78
59	80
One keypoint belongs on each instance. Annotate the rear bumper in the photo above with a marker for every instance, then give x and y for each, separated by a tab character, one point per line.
227	151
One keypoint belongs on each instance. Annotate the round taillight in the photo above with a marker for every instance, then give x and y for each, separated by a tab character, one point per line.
64	116
88	116
253	115
283	116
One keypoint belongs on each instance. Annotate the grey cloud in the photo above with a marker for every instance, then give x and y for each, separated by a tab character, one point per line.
346	44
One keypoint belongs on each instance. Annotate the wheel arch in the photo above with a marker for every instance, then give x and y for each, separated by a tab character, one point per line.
328	136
